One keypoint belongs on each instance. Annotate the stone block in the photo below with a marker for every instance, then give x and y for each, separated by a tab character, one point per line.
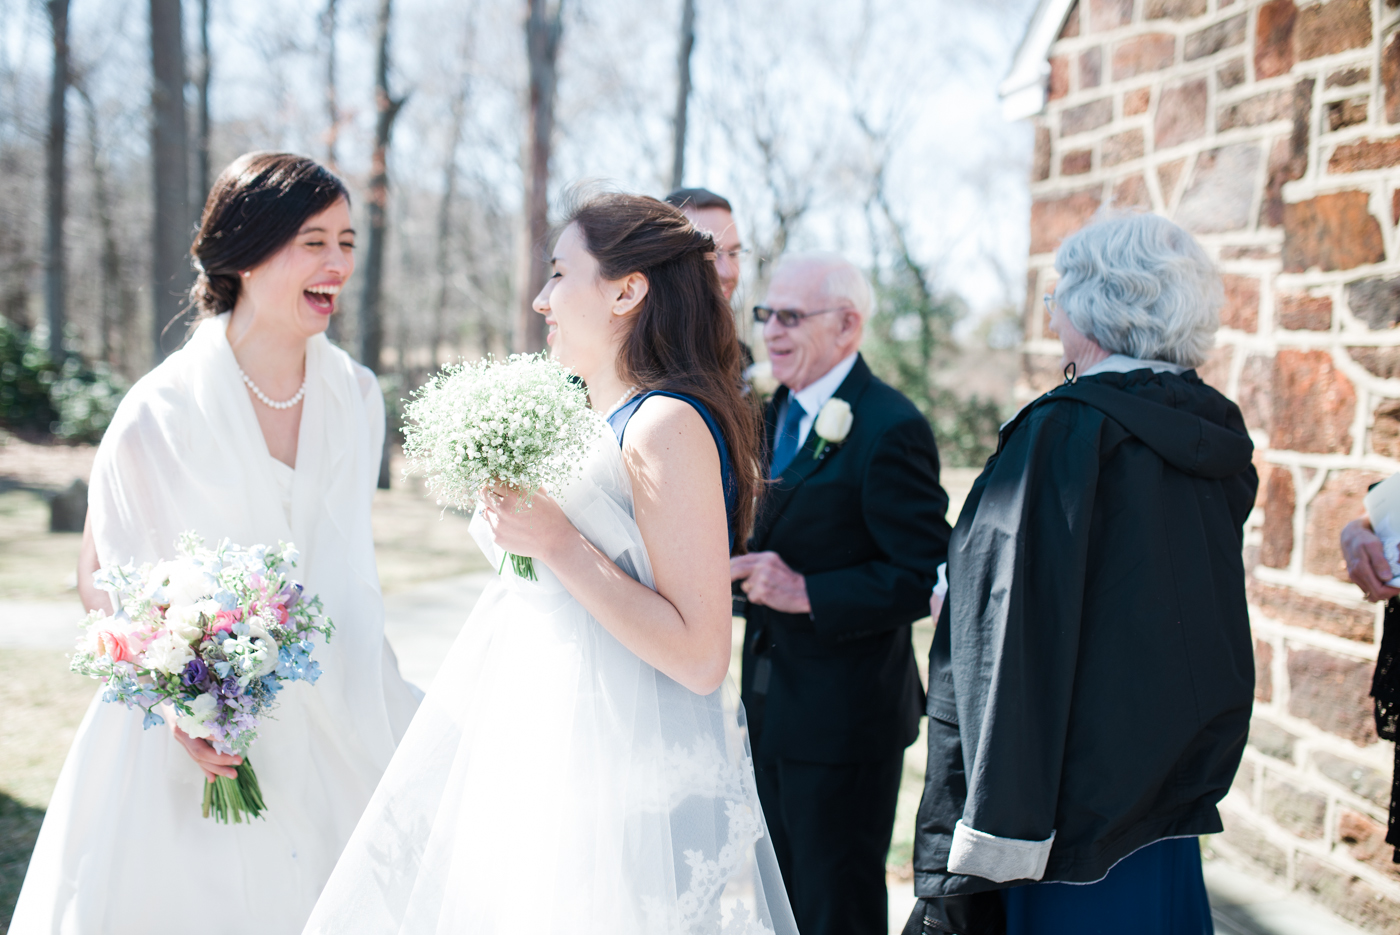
1139	55
1077	162
1090	68
1296	809
1256	110
1385	429
1136	101
1255	394
1109	14
1123	147
1168	174
1084	117
1383	362
1057	85
1298	311
1347	77
1249	840
1332	232
1221	193
1288	159
1041	372
1231	74
1348	113
1245	781
1216	370
1215	38
1270	739
1280	502
1273	38
1319	399
1338	503
1071	27
1364	154
1332	27
1181	114
1332	692
1376	301
1293	609
1347	895
1055	218
1040	162
1263	672
1131	192
1361	780
1174	9
1390	77
1256	251
1241	308
1364	839
68	508
1395	206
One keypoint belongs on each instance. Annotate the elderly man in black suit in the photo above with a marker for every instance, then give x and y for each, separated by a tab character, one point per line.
843	558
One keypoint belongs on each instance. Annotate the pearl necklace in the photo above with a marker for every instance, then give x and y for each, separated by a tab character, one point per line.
271	403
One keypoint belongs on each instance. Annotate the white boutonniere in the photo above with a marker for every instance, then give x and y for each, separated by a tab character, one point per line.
759	376
833	424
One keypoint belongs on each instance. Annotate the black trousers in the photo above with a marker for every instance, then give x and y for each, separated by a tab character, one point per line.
831	827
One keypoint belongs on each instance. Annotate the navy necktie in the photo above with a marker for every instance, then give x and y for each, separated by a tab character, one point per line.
785	447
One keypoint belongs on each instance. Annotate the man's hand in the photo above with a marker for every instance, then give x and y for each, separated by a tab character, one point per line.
1366	563
770	582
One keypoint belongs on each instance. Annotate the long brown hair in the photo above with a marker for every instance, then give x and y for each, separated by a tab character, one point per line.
682	337
256	205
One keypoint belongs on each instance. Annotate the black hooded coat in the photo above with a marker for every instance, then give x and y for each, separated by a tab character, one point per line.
1092	674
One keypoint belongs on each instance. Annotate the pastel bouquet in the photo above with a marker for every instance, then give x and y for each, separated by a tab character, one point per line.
212	635
522	423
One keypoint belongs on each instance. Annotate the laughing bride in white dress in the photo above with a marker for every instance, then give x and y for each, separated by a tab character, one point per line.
258	430
579	766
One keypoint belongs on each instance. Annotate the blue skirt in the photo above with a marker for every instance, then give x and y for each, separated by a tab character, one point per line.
1156	890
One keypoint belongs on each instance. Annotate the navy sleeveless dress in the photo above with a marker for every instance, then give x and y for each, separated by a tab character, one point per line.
620	417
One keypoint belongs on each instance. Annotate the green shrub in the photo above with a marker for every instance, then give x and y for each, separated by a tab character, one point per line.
71	401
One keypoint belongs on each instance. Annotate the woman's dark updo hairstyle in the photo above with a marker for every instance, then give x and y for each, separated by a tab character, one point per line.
682	337
258	204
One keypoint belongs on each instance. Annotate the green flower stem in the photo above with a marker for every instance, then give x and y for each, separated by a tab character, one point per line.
524	566
821	446
233	798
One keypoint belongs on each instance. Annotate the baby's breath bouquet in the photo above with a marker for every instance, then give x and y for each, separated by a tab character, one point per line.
521	423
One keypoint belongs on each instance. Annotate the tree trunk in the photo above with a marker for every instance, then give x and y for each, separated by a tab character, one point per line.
170	267
444	221
371	318
332	105
110	317
687	45
542	33
206	63
54	299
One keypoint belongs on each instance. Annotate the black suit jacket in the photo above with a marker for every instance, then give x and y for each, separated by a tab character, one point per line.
865	524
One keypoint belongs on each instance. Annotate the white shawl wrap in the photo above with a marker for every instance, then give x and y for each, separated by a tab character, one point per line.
185	452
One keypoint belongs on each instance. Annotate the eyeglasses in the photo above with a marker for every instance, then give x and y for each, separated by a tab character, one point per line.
790	317
1049	299
735	253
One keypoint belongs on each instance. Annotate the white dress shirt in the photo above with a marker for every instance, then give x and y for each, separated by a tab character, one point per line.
814	396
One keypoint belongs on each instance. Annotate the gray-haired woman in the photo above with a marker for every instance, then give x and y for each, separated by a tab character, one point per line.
1092	675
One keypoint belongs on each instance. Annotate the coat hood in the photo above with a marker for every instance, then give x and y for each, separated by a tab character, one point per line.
1189	424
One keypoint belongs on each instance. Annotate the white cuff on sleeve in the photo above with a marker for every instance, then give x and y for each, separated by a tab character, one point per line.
1001	860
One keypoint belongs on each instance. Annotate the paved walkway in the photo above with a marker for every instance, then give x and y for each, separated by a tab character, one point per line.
422	623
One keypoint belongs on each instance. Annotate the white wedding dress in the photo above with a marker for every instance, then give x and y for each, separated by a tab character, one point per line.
123	848
553	782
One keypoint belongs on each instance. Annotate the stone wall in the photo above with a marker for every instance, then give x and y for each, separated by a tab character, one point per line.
1272	131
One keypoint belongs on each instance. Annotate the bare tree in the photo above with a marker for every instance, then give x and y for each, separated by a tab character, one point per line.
115	306
444	219
206	64
387	108
684	50
54	272
543	30
332	104
170	270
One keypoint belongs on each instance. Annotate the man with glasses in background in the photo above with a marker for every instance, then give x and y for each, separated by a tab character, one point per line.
713	213
843	559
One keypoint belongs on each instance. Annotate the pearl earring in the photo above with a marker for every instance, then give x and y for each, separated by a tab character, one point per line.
246	274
